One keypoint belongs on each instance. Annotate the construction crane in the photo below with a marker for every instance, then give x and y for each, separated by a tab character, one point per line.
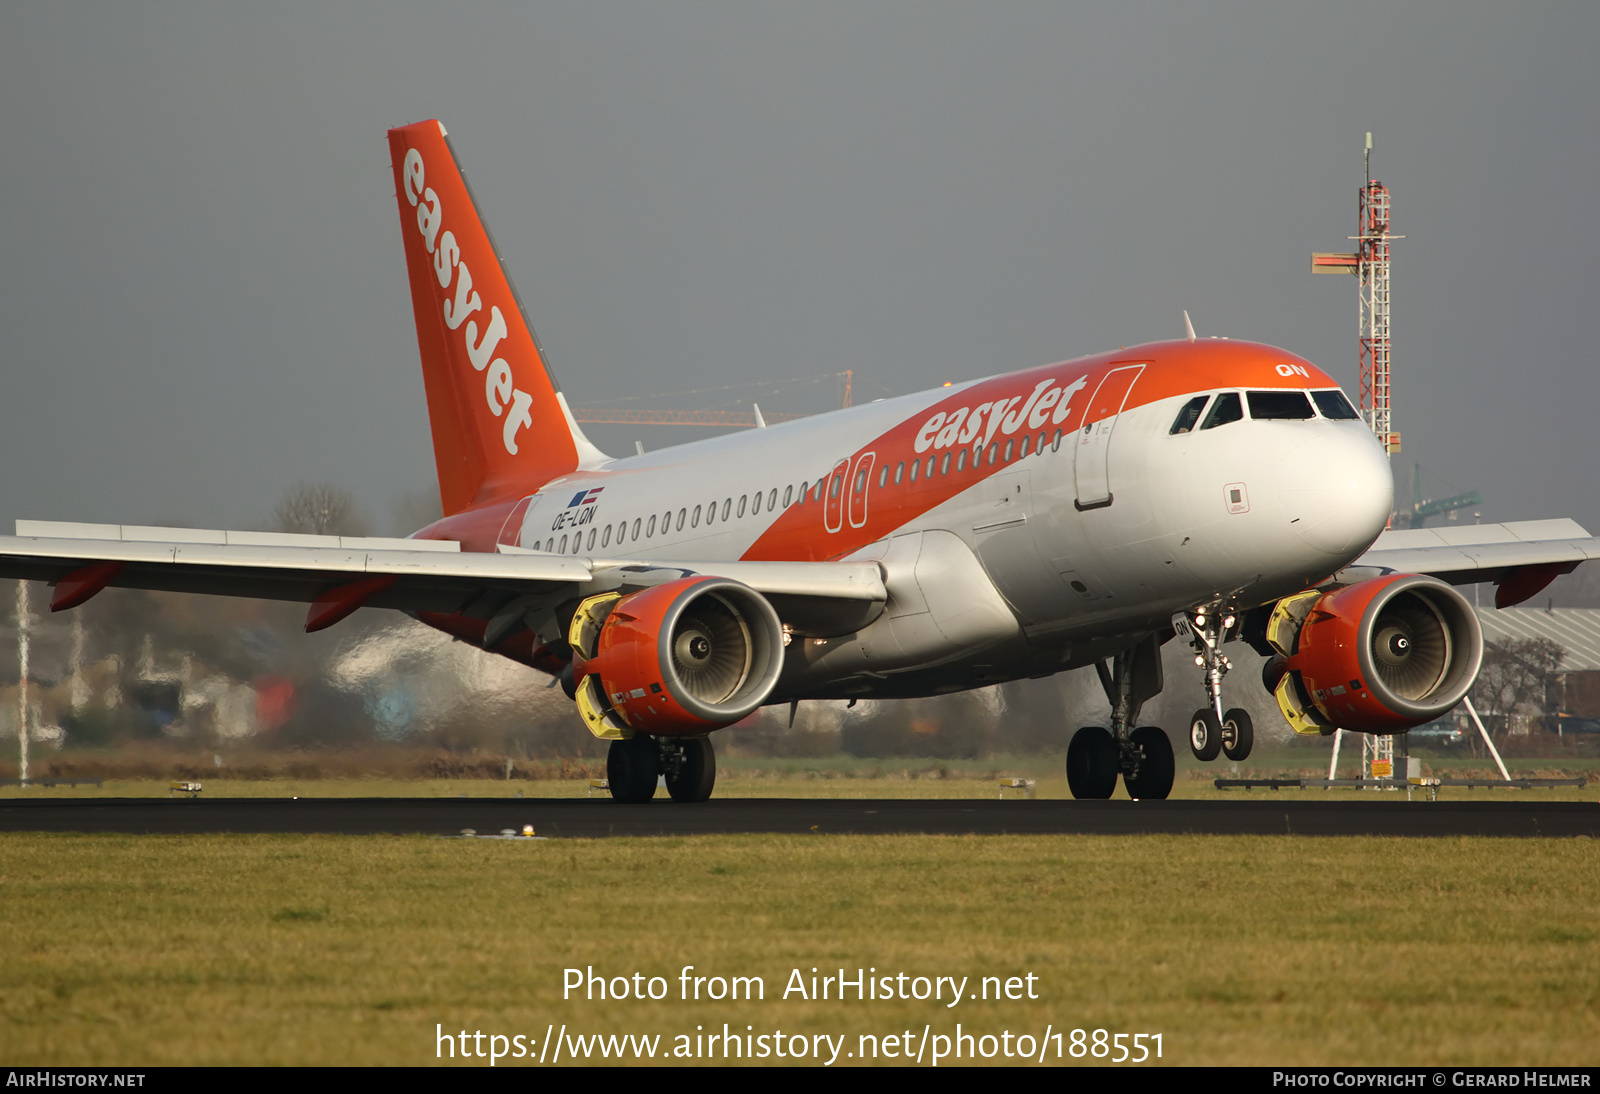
1423	508
724	419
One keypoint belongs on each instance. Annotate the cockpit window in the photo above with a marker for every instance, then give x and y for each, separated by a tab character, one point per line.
1334	405
1226	409
1280	405
1189	415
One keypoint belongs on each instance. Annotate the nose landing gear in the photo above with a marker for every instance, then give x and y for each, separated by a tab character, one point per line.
1213	730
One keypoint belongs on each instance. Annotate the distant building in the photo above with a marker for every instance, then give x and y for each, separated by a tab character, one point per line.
1576	631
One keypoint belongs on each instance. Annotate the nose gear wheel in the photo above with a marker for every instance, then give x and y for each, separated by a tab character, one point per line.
1238	734
1205	734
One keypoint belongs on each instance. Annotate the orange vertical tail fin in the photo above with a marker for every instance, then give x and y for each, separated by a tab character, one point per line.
500	423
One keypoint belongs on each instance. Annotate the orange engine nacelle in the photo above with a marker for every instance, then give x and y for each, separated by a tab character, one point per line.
1378	657
679	658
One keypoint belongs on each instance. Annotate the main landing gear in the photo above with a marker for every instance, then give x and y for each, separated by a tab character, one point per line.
1142	755
688	765
1213	730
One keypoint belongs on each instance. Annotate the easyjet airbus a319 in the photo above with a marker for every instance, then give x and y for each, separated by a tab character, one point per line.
1082	513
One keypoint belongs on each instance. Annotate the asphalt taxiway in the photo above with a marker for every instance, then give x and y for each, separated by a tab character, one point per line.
597	818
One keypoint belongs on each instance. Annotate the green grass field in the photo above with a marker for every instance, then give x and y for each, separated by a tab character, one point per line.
1238	950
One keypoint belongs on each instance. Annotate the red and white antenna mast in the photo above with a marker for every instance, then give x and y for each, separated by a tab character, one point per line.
1370	264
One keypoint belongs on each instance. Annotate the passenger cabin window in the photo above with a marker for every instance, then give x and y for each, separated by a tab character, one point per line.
961	460
788	496
637	521
772	500
1227	408
1189	415
651	529
743	498
1334	405
1280	406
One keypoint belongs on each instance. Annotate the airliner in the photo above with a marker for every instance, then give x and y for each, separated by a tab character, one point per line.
1083	513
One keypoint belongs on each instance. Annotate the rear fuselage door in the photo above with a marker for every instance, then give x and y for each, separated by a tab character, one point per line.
1094	438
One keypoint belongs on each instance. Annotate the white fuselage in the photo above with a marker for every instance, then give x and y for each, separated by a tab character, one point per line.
1024	565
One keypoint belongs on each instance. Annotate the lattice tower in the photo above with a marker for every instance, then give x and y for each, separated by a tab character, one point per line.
1372	252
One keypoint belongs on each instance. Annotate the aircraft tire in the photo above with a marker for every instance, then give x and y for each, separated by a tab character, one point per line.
1092	763
1205	735
631	769
1238	734
1157	770
696	772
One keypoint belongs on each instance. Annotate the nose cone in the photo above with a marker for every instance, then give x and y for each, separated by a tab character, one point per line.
1337	489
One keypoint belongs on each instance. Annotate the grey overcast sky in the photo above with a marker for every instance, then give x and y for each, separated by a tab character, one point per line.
203	297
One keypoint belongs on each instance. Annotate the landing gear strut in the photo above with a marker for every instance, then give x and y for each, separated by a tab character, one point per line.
1213	730
1142	756
688	765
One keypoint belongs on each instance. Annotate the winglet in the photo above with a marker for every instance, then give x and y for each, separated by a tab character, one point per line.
1188	327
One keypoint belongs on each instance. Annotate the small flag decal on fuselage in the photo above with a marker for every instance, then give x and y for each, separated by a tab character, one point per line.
585	497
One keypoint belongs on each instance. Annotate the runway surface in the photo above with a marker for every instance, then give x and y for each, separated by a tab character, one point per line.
591	818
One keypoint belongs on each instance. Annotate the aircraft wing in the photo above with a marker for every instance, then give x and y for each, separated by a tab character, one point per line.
1520	557
338	574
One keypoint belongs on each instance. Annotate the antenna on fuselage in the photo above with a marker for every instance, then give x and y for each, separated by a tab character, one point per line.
1188	327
